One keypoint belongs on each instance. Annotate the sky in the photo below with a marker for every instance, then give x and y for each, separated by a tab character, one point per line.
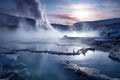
71	11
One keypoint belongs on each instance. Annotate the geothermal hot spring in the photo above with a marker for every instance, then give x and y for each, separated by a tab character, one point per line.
44	66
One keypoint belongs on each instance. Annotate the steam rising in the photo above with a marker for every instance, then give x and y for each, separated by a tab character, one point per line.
34	9
86	31
83	33
30	8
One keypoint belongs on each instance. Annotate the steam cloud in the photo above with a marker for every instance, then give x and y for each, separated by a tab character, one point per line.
29	7
34	9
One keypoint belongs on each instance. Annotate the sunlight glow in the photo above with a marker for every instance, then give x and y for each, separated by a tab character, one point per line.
80	14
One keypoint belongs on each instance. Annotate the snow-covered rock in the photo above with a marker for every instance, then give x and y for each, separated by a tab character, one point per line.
115	54
100	24
85	72
61	27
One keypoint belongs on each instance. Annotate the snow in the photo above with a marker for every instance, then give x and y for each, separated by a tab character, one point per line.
100	24
108	26
86	72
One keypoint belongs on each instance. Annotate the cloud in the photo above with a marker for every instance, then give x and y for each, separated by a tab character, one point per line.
81	6
52	5
62	10
93	15
96	11
55	2
66	18
30	8
77	6
7	4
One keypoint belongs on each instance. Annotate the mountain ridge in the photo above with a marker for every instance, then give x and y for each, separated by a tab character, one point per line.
99	24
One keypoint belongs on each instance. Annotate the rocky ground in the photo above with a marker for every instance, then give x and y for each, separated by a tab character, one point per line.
115	54
85	73
10	68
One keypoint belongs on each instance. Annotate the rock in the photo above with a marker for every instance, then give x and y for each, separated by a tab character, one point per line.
6	75
14	67
115	79
89	71
115	54
86	73
79	72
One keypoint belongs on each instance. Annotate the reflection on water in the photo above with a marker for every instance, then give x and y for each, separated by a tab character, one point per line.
47	67
42	67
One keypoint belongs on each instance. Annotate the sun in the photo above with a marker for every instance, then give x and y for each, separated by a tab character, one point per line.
81	15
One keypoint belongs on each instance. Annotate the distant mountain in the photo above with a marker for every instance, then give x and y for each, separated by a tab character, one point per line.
101	24
95	25
13	22
61	27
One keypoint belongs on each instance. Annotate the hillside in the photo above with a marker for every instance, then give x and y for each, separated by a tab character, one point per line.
13	22
101	24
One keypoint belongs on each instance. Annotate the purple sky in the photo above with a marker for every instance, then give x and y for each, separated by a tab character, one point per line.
71	11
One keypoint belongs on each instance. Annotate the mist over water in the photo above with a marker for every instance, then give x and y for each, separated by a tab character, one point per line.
24	32
85	31
35	9
29	44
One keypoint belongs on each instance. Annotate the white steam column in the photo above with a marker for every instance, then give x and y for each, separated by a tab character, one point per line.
43	22
34	9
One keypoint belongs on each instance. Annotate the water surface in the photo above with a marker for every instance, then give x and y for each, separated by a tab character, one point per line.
43	66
